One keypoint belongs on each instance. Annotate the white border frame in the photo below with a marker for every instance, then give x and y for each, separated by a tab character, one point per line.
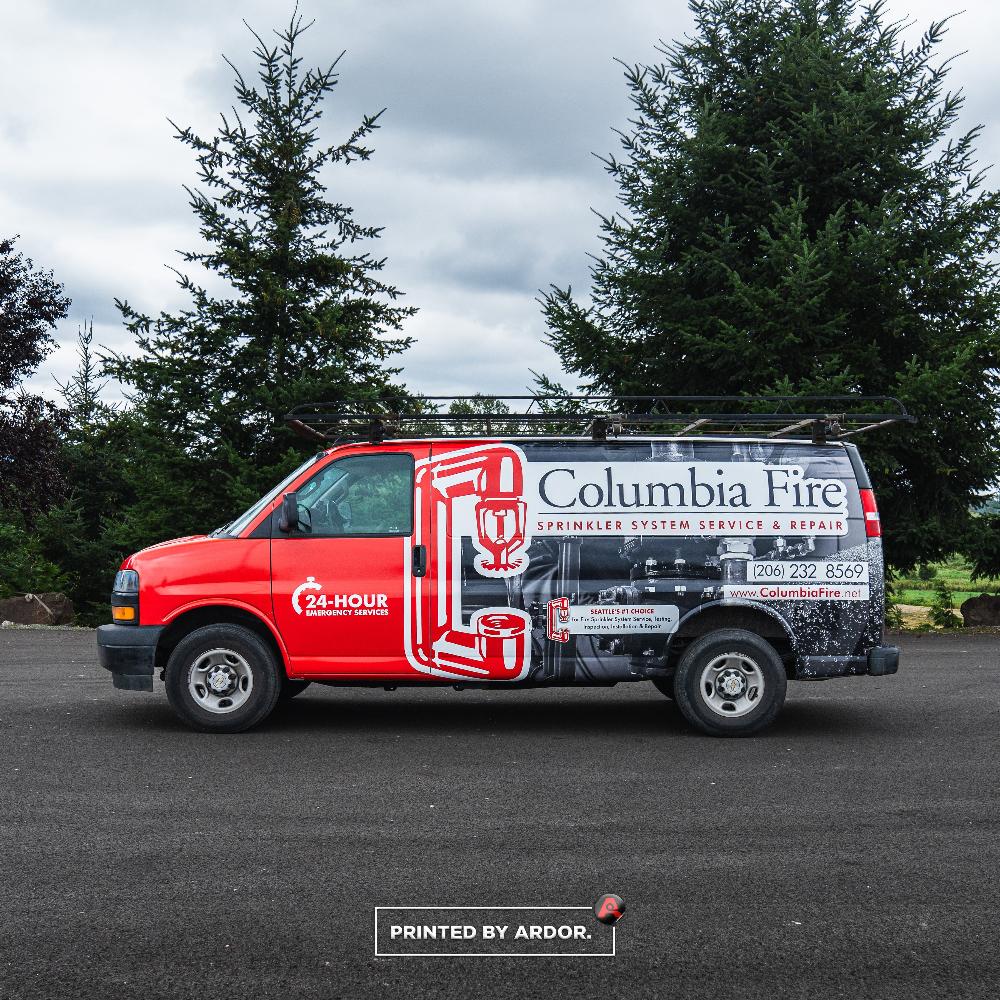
491	954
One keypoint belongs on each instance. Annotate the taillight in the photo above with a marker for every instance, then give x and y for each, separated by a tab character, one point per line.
873	526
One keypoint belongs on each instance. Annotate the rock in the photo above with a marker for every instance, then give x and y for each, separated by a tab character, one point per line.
981	610
37	609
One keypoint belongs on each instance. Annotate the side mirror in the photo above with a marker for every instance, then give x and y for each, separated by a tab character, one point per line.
289	519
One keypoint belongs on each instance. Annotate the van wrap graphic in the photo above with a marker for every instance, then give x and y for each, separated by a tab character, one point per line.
309	599
732	498
565	619
297	593
474	493
577	561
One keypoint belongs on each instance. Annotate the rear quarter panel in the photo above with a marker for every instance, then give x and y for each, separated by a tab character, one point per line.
595	555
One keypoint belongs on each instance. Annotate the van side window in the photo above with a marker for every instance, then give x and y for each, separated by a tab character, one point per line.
357	496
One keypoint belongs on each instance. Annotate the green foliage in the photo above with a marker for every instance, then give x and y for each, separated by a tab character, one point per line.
306	316
943	609
893	612
482	405
31	302
799	216
893	616
83	530
981	544
954	575
23	566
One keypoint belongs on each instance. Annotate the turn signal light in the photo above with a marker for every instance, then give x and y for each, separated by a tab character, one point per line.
123	614
873	526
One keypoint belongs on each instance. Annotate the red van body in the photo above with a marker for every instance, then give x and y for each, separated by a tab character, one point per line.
520	562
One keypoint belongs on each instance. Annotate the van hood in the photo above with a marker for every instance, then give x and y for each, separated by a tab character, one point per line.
173	543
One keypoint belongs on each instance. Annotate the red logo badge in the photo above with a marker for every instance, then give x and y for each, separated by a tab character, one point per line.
557	624
609	908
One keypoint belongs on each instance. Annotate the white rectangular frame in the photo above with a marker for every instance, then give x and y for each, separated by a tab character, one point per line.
488	954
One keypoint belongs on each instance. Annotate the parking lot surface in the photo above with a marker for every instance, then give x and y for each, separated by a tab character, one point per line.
852	850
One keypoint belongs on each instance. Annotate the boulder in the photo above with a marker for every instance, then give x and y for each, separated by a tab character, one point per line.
37	609
981	610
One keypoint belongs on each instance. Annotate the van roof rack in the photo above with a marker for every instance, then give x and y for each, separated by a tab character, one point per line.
816	418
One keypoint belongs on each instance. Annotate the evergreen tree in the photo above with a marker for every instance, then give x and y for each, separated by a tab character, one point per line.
84	532
307	314
799	217
31	302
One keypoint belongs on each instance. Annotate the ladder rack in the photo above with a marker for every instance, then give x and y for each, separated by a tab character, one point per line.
816	418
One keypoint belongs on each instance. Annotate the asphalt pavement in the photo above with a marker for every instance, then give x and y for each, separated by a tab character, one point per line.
850	851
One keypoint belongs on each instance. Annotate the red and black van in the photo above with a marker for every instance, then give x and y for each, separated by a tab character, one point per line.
717	566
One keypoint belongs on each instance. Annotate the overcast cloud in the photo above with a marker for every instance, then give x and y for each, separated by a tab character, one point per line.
482	176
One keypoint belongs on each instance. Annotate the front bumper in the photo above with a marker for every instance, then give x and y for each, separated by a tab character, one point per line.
129	652
879	661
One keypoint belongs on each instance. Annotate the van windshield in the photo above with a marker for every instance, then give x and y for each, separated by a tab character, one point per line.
244	520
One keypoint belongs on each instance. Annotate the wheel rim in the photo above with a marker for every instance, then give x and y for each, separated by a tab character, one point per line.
732	685
220	681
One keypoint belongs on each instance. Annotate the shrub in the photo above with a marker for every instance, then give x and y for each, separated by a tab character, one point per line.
943	608
23	568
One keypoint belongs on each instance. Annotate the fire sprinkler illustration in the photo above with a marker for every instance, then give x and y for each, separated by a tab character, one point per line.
478	493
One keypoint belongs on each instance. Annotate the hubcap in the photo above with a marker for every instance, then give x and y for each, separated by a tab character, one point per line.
220	681
732	684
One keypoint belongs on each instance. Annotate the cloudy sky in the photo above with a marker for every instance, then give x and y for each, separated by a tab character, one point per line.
482	176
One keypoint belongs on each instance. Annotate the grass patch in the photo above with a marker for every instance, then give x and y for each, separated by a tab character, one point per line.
925	598
954	575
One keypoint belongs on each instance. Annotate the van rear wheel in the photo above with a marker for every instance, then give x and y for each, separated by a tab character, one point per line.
222	679
730	683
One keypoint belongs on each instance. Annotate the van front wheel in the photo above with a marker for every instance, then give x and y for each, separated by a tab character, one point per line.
730	683
222	679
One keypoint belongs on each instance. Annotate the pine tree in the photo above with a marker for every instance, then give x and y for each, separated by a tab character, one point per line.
307	316
103	472
799	217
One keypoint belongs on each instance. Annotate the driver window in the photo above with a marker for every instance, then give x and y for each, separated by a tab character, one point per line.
358	496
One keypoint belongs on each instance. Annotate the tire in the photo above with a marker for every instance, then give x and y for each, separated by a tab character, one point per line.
291	689
222	679
665	687
730	683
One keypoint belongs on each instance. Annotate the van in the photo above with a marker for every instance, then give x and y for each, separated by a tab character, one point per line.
717	566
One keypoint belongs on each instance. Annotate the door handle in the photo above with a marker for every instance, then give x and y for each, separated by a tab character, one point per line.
419	560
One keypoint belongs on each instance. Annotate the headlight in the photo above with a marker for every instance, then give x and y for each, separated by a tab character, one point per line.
125	599
126	582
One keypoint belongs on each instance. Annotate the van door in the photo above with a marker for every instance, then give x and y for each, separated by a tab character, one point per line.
341	581
474	626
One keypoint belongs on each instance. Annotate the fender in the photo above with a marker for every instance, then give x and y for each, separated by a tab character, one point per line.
228	602
719	607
